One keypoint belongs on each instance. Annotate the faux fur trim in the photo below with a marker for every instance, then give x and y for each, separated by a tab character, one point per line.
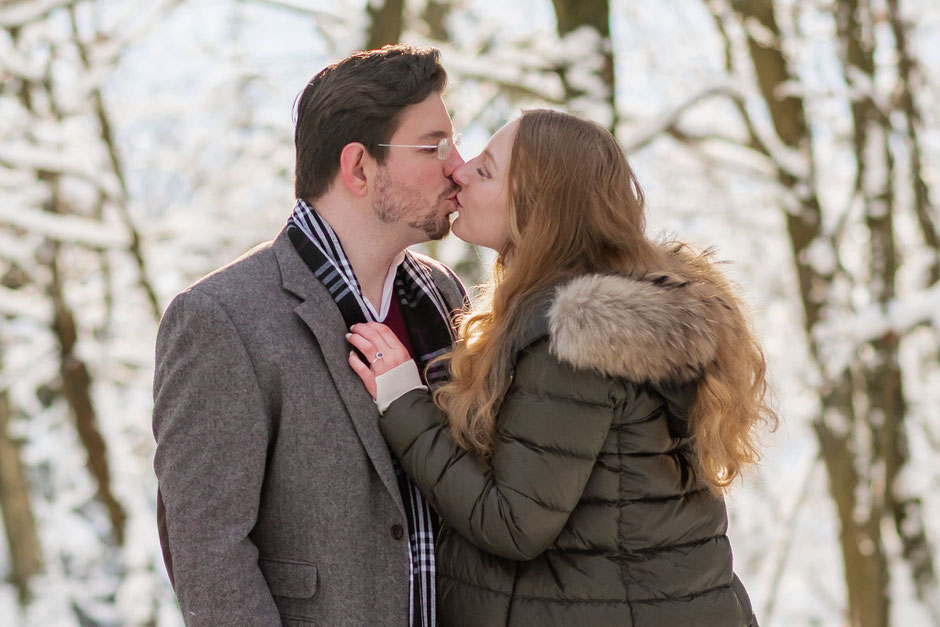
655	328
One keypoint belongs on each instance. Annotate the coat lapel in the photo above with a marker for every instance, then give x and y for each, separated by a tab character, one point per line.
320	313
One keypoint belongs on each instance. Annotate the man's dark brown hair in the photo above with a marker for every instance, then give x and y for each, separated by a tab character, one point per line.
359	99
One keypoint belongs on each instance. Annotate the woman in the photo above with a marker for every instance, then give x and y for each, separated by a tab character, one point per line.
601	400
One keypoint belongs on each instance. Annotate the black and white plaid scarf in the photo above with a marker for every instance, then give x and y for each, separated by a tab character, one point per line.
431	334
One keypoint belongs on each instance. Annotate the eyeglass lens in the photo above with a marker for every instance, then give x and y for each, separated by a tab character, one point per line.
446	146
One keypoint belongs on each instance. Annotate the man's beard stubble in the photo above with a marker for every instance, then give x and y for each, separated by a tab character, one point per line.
395	202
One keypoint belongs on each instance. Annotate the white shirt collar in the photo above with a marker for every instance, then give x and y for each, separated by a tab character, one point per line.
382	313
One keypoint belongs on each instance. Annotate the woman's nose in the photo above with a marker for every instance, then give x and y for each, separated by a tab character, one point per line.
459	174
454	161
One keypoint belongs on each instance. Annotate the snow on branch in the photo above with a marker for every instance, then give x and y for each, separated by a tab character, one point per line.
16	304
293	5
28	11
841	337
760	33
131	27
657	125
70	229
16	249
787	160
23	157
518	72
11	63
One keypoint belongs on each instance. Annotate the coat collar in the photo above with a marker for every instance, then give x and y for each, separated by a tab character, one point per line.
319	312
654	328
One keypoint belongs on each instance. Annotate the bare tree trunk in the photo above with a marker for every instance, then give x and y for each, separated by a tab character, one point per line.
875	184
435	15
76	387
906	509
851	448
862	549
18	522
907	70
860	430
76	381
881	377
386	23
570	15
135	247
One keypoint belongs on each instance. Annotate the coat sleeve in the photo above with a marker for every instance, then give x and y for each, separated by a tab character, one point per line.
212	432
550	430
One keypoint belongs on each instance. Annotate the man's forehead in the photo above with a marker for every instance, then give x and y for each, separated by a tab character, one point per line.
427	121
435	135
427	131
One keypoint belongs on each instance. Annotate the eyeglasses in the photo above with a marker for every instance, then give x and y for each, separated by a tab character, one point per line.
444	147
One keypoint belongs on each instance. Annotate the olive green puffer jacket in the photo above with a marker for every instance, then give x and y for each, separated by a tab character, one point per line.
588	513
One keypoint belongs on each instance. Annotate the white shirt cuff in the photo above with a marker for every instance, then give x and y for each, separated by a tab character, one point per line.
398	381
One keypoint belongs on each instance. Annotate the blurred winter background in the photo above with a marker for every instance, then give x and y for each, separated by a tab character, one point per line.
144	143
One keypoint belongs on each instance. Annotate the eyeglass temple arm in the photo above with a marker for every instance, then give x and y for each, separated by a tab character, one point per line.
408	145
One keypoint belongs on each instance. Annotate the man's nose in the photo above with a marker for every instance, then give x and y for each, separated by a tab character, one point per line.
452	162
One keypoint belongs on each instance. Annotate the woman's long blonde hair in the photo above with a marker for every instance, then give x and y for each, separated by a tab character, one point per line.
575	207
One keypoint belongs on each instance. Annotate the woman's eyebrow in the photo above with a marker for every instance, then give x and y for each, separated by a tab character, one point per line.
488	156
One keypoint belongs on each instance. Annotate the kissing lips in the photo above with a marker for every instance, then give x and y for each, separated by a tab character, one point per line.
455	202
453	215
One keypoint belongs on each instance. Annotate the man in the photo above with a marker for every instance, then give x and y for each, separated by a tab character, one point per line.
279	501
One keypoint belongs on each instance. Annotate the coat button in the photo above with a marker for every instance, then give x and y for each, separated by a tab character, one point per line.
398	532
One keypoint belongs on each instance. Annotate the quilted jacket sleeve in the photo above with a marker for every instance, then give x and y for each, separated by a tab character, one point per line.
550	430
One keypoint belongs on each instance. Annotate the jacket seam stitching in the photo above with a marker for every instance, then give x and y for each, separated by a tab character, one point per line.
281	560
621	541
478	586
521	391
659	549
686	597
299	618
567	600
530	444
513	595
664	499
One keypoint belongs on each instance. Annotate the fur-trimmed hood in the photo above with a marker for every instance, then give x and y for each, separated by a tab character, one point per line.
657	328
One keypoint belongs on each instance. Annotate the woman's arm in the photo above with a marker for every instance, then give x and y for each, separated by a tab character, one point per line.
550	430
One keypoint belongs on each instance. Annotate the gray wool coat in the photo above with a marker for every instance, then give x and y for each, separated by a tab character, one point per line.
278	499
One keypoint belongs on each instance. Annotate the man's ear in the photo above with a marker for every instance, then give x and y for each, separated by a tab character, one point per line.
355	167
